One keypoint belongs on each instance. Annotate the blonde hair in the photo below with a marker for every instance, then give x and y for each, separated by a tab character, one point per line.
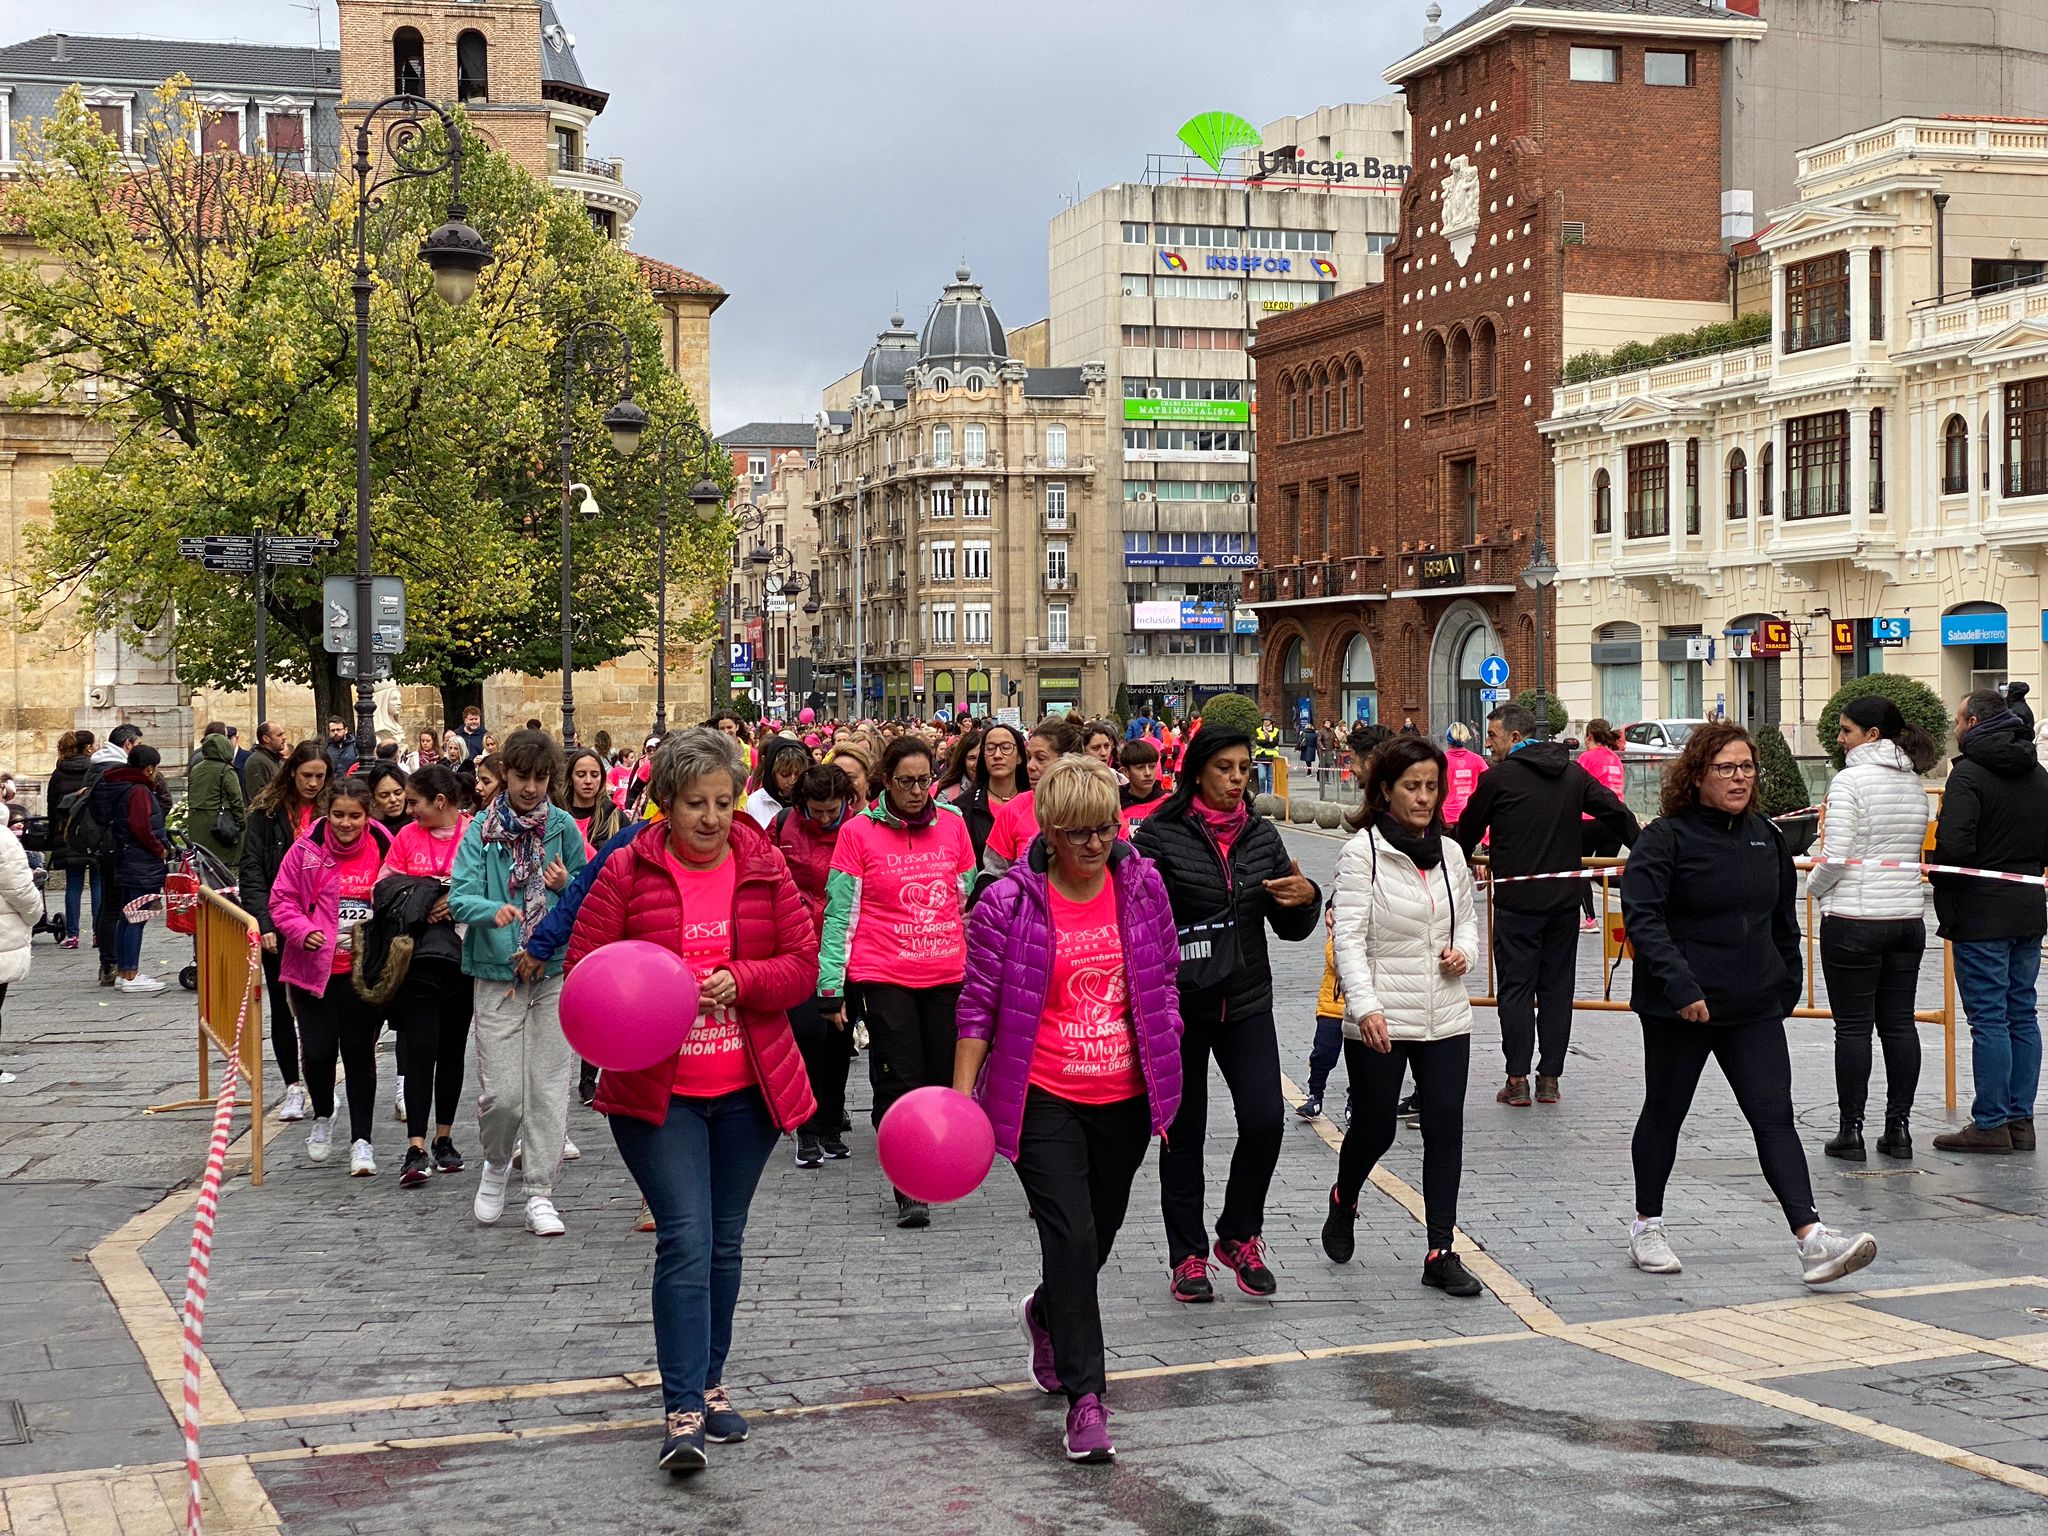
1076	791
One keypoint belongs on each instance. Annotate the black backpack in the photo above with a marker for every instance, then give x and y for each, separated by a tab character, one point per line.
85	835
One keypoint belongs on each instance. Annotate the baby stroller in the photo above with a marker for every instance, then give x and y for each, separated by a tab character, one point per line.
191	867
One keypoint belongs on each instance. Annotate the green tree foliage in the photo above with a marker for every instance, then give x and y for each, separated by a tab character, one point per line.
1784	787
1722	336
1920	704
1231	712
200	308
1547	708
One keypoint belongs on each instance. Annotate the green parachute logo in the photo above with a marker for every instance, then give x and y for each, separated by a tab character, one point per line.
1212	135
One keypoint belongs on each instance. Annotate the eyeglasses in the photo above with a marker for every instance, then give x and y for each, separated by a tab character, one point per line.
909	785
1081	837
1733	770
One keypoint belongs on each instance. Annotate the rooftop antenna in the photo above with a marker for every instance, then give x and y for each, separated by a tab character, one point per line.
319	31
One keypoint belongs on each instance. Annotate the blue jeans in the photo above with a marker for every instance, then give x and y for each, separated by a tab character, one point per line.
1322	1056
697	1170
128	936
1996	979
74	893
1265	768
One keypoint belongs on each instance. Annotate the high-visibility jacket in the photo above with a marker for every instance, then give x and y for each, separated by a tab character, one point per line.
1268	739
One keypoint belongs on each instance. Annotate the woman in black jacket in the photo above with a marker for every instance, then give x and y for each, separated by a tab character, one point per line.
278	817
1228	875
74	765
1708	898
999	777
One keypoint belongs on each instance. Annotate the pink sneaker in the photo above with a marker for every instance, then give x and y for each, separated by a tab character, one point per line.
1042	1369
1247	1260
1088	1431
69	941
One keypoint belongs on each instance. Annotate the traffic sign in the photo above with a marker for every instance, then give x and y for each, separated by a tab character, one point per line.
387	610
1494	672
228	562
380	666
280	549
742	656
1494	695
218	543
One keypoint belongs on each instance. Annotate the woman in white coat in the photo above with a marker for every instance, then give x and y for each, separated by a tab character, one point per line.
1871	933
21	904
1407	930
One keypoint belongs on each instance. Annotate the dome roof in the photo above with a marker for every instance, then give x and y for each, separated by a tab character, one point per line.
963	329
890	358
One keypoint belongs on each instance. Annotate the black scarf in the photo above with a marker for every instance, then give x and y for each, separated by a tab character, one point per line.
1424	852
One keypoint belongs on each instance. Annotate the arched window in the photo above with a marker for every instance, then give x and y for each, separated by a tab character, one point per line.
1295	408
1357	394
1763	481
1483	384
1603	502
1738	486
1461	367
1955	456
408	63
1315	406
472	67
1435	360
1331	420
1343	418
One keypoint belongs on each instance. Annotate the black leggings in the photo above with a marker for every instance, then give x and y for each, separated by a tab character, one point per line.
1248	1053
828	1055
1595	842
284	1029
1758	1066
1873	968
431	1014
1440	1071
911	1034
339	1021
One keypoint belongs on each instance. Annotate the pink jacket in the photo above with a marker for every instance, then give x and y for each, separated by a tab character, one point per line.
1604	763
306	895
1463	768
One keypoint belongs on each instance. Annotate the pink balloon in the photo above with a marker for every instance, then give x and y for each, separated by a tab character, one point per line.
806	716
936	1145
628	1005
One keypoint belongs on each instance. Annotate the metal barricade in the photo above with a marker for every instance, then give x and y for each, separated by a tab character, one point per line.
230	962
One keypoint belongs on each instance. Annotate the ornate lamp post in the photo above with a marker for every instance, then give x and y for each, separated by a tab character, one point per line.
691	443
605	351
1539	573
455	254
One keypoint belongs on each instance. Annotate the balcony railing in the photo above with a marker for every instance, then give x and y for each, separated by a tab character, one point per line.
1822	331
1059	581
2026	477
1810	501
591	165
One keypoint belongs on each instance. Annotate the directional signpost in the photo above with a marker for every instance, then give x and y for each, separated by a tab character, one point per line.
255	553
1494	671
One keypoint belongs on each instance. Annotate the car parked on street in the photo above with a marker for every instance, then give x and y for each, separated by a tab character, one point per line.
1656	738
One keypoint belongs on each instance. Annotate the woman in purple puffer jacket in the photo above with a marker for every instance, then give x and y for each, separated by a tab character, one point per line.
1070	1041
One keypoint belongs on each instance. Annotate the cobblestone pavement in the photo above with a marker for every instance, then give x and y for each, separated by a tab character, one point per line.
384	1364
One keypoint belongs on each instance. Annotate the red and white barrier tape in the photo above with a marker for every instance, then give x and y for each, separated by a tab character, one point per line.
201	1260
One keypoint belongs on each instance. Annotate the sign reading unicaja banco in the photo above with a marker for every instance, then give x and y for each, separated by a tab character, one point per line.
1212	135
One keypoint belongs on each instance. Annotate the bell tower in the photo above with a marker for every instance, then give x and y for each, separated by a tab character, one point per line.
484	55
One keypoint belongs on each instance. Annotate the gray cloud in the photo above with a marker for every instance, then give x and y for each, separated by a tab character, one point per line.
818	159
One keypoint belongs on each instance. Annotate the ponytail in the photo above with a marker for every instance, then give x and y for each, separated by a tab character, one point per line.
1875	712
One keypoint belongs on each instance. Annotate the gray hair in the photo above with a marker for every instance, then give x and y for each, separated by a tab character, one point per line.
1515	720
687	756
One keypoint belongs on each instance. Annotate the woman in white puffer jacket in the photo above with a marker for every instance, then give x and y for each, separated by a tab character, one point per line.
1407	930
21	904
1871	933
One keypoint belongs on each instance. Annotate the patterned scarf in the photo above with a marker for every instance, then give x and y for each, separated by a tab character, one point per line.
527	837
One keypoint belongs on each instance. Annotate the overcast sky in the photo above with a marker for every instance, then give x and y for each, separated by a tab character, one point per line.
817	158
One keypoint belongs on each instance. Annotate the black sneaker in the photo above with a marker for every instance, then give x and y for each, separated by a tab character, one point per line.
416	1170
723	1424
682	1446
845	1122
1247	1260
1339	1241
586	1084
810	1152
835	1148
1191	1280
106	975
1310	1107
912	1213
1447	1272
446	1158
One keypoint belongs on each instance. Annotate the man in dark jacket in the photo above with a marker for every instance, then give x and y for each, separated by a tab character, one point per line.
341	750
1994	815
1530	802
263	764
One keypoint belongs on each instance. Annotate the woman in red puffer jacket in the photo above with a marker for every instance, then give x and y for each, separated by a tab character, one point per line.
696	1129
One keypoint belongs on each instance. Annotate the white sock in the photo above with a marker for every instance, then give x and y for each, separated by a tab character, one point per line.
1811	1241
1638	1228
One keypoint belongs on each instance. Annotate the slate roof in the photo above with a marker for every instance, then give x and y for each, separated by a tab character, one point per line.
152	60
1689	9
963	327
772	434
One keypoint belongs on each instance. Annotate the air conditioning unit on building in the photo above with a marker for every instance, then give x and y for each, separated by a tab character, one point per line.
1155	394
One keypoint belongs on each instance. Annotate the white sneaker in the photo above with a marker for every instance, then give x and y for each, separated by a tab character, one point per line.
6	1077
570	1151
321	1141
1650	1251
398	1100
139	983
490	1191
294	1104
362	1161
1829	1255
541	1219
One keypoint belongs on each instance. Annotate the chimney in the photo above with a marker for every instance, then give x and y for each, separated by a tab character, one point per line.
57	54
1434	30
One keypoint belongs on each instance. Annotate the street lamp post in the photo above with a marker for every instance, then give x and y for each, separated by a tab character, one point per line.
1539	573
455	254
747	519
705	500
589	340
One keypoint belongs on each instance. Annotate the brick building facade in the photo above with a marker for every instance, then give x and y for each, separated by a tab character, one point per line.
1566	197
